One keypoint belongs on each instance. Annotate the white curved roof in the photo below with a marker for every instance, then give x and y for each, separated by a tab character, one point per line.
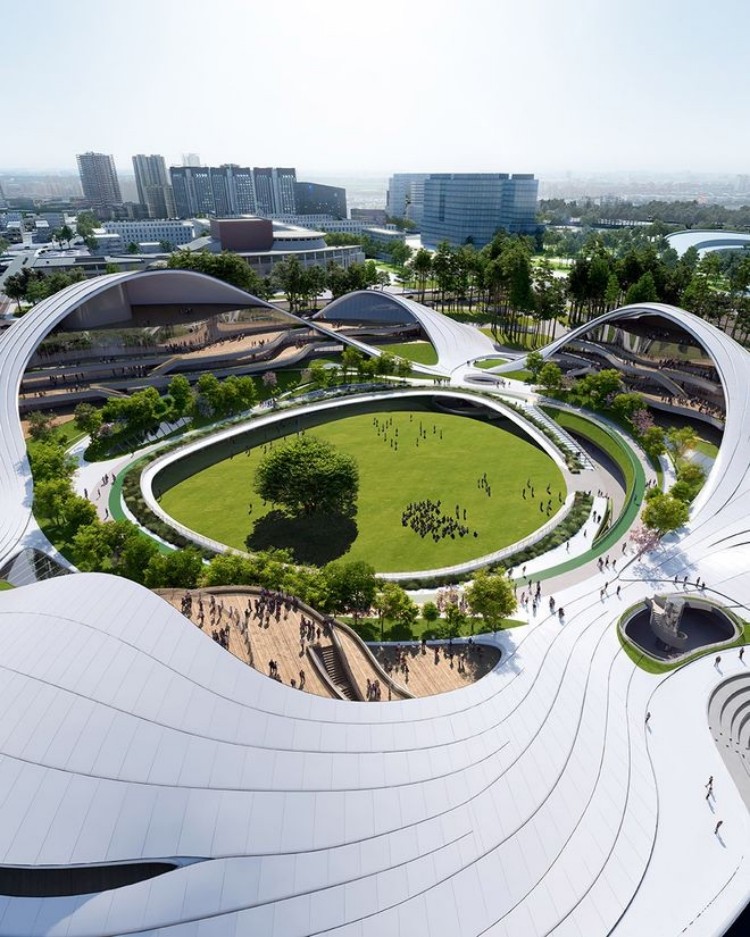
708	240
532	802
456	344
732	363
179	287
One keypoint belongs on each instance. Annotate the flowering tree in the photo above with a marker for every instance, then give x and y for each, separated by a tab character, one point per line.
642	421
271	382
644	539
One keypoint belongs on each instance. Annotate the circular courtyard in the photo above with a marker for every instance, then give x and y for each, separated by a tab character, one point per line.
435	489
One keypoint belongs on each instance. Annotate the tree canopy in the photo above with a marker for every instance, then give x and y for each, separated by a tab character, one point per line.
351	586
307	475
665	513
226	266
491	595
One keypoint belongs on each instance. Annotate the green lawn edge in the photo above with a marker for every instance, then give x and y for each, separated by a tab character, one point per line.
619	452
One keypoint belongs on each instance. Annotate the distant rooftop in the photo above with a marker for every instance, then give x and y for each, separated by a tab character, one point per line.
703	241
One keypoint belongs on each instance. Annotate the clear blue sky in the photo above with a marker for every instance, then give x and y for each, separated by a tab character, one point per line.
396	85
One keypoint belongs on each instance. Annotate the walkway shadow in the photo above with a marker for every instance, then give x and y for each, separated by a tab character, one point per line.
315	538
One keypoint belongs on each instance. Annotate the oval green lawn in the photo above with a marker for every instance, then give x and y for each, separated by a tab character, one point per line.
215	501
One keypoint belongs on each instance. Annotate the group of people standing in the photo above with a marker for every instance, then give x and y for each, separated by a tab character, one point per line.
545	505
389	433
427	518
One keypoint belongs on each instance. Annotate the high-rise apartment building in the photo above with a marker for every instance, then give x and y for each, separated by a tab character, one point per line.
152	182
99	181
233	191
283	189
224	191
264	200
405	197
193	193
191	159
469	208
274	191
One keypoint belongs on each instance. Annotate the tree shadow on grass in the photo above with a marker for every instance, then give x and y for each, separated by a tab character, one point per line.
314	538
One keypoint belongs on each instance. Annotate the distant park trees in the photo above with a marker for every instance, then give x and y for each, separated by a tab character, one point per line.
226	266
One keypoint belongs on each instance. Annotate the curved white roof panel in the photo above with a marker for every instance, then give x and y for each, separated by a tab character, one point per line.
115	292
533	802
456	344
708	240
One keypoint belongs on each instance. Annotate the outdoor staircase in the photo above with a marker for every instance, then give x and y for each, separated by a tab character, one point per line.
165	366
561	435
329	657
107	391
729	722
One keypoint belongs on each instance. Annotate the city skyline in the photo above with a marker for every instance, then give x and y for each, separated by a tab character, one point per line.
532	88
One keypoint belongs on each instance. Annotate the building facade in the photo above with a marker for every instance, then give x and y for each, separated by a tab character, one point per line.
469	208
233	190
101	187
152	183
405	197
168	231
229	190
275	190
376	216
312	198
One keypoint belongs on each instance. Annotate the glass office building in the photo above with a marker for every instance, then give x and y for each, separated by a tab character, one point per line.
469	208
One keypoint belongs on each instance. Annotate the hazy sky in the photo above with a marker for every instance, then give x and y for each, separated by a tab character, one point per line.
394	85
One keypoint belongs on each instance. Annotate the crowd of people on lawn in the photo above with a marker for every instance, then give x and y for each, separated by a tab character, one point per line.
428	519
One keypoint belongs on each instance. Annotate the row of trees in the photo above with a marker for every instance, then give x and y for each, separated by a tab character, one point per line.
32	286
123	421
301	285
71	522
128	419
396	251
676	214
504	282
351	587
600	280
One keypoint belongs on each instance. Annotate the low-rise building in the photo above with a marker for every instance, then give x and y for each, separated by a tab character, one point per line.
106	242
369	216
264	243
174	233
42	233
